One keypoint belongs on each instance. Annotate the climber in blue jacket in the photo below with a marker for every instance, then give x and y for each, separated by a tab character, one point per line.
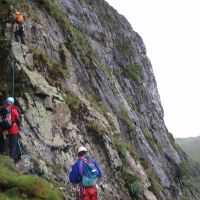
85	172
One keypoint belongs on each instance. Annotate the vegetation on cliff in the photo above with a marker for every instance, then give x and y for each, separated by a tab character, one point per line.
15	186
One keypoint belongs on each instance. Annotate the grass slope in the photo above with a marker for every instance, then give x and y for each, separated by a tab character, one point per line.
16	186
191	146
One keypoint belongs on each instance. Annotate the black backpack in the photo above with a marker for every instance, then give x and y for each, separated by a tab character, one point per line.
5	118
21	28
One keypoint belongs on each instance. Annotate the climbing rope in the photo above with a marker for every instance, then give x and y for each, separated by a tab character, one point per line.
13	71
21	149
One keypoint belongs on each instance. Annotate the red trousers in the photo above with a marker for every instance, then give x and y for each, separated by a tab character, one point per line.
88	193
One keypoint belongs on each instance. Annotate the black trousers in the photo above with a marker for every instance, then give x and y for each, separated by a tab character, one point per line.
13	141
19	36
2	143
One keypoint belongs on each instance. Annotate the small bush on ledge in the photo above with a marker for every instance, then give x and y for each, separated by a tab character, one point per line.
94	127
72	101
132	182
134	72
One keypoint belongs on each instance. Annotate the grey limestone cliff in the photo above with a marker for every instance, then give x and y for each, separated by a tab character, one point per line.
84	77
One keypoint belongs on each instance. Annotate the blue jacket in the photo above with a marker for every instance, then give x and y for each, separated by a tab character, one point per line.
77	170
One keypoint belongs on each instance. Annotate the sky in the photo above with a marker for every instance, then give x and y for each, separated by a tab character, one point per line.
170	30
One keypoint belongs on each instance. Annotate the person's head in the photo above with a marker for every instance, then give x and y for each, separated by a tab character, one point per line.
10	100
82	151
17	13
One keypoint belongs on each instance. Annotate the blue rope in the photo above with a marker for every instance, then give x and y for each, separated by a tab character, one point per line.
13	66
21	150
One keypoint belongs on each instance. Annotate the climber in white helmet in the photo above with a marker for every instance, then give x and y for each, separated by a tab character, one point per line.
85	172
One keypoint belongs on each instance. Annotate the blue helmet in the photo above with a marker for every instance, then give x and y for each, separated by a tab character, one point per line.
10	100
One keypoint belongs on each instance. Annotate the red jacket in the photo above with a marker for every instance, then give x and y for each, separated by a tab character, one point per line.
14	117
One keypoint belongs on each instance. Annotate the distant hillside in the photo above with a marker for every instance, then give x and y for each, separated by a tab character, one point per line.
191	146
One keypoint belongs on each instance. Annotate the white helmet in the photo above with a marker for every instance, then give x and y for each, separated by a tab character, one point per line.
81	149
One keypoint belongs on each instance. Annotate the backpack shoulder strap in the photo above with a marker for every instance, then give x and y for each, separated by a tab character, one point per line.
88	161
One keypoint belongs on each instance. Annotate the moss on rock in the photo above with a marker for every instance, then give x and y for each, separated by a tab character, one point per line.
16	186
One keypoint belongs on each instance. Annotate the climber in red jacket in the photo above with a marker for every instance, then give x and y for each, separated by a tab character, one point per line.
10	122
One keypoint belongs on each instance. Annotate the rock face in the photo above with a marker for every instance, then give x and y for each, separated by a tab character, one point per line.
83	78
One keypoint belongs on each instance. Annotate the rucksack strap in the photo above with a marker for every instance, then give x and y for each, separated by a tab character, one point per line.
20	26
87	161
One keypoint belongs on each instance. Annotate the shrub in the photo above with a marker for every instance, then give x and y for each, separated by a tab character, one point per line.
123	46
188	184
53	66
152	140
126	119
57	168
184	169
55	12
132	102
94	128
4	4
72	101
16	186
98	105
132	182
154	180
144	162
70	47
80	39
174	144
105	70
90	2
134	72
123	146
88	54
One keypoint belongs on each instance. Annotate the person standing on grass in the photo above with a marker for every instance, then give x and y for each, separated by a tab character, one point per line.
10	122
